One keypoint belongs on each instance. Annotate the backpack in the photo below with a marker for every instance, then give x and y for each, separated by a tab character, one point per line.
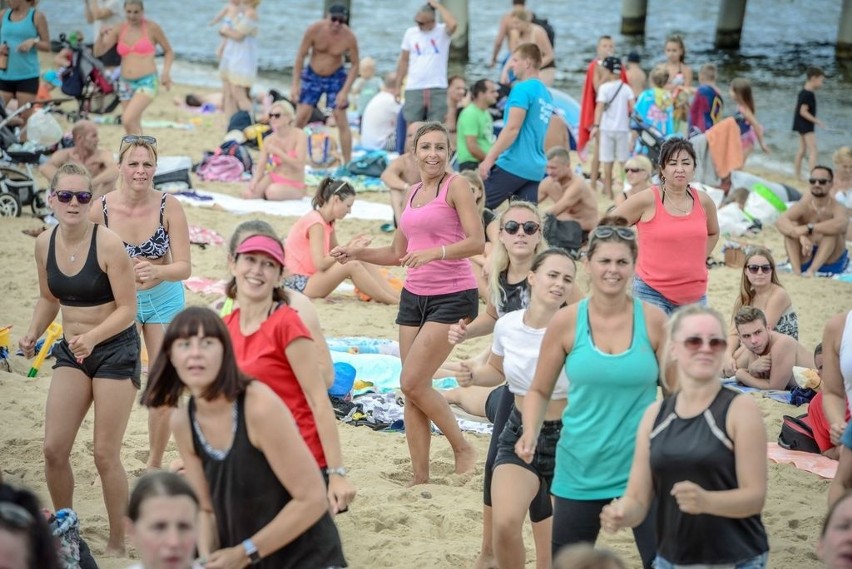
73	79
220	168
797	434
551	33
238	151
371	165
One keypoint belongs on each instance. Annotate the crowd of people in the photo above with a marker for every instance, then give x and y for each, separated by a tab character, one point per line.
608	408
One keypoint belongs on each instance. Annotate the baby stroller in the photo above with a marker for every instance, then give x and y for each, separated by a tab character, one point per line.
649	139
86	80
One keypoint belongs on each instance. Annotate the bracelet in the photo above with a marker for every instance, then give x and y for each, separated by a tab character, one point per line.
443	252
339	471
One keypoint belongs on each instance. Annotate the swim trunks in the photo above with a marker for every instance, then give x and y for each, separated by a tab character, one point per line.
147	85
314	86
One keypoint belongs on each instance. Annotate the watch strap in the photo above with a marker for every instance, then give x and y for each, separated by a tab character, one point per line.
251	551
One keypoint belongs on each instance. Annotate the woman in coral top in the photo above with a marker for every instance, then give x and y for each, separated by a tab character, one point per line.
677	230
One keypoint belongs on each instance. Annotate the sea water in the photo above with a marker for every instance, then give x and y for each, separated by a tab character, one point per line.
780	39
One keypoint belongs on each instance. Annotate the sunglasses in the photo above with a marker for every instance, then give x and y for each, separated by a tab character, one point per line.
338	19
134	138
607	231
694	343
275	115
423	24
633	170
530	227
16	516
819	181
65	196
754	269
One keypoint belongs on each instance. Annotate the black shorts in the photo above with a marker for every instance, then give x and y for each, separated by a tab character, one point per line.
502	185
471	165
111	57
416	310
544	460
114	358
19	86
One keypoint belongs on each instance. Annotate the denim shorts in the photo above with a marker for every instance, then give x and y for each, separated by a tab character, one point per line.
643	291
416	310
114	358
159	304
544	460
756	562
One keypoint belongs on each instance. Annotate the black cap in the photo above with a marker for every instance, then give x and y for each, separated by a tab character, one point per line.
633	57
339	10
613	64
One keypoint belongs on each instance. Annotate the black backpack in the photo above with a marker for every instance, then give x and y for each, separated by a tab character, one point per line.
551	33
797	434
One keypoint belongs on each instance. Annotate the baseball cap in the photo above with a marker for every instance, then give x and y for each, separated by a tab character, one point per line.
633	57
339	10
263	244
613	64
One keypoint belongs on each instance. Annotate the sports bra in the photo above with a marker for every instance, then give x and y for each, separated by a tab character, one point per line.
143	45
156	246
89	287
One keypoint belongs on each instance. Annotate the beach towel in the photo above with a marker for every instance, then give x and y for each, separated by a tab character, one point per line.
780	395
155	123
809	462
388	409
204	285
202	236
726	150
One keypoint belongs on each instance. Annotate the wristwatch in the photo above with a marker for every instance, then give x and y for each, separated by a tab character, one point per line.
339	471
810	229
251	551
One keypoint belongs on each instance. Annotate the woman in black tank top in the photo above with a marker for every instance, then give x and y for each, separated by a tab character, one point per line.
243	454
700	458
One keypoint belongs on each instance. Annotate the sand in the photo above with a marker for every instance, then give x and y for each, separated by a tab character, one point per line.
436	525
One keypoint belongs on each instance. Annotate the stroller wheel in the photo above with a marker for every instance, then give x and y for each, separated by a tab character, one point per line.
39	204
10	206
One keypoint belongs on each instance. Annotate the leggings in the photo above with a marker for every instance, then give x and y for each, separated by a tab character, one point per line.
576	521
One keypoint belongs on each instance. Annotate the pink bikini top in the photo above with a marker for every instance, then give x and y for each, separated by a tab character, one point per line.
143	45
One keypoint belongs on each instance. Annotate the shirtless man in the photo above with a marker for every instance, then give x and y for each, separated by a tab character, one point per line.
99	162
327	41
402	173
814	228
768	358
573	199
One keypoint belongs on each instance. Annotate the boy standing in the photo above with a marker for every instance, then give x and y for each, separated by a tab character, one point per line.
612	118
706	108
805	121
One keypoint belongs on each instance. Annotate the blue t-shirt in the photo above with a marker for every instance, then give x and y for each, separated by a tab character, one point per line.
525	157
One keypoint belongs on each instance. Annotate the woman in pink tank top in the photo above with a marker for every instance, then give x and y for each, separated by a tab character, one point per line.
439	230
677	230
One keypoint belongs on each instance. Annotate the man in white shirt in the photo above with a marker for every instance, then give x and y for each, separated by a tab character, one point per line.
423	59
612	117
378	121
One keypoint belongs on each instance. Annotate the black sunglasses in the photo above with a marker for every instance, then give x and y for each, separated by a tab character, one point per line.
275	115
16	516
423	24
530	227
607	231
134	138
819	181
754	269
338	19
65	196
633	170
694	343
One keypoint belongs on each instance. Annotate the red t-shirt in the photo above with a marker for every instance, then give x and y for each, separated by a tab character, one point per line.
819	423
261	355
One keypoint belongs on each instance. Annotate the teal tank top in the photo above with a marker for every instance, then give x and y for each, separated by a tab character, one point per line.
21	65
607	396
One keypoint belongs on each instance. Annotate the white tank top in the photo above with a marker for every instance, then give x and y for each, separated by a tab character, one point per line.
845	357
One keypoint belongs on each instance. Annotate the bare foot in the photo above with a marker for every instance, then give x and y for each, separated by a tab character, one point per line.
416	482
465	459
485	561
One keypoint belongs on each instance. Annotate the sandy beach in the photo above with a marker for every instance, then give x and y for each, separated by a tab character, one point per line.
436	525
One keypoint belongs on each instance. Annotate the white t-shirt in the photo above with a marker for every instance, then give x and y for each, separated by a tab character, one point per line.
519	346
115	19
378	122
616	116
428	53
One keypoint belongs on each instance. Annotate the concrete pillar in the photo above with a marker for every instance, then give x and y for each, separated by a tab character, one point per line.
843	48
729	24
633	13
459	49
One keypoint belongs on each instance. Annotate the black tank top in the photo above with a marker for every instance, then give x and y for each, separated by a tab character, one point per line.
89	287
246	495
699	450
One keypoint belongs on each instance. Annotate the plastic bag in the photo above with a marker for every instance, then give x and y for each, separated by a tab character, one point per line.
732	220
43	129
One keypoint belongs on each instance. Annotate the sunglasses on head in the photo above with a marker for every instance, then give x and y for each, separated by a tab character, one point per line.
529	227
754	269
607	231
134	138
695	343
65	196
819	181
16	516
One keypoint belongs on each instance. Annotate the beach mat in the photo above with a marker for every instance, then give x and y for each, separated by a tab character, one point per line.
809	462
780	395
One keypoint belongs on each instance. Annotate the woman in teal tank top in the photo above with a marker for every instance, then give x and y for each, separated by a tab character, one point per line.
611	346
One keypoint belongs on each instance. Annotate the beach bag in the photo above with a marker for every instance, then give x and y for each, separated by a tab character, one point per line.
565	234
73	79
371	165
220	168
797	434
238	151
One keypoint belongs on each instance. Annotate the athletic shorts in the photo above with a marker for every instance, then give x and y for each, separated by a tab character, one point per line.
544	460
415	309
314	86
147	85
19	85
160	304
834	268
425	105
297	282
501	185
114	358
615	146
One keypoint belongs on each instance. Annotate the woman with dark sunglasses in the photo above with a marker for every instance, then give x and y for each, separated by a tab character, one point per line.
154	229
700	460
610	346
280	171
84	272
761	289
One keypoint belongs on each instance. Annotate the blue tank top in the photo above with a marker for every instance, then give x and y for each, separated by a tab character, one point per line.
22	65
608	394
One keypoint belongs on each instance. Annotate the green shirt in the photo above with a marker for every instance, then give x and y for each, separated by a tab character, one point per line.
477	122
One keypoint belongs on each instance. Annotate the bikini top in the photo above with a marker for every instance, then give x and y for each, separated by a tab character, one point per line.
156	246
89	287
143	45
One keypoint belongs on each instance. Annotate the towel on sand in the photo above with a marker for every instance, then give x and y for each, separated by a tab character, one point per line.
807	461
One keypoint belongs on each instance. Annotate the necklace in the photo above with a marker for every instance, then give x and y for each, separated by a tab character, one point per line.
73	255
820	211
676	208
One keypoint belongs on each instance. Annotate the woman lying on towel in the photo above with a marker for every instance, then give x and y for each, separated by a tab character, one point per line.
280	171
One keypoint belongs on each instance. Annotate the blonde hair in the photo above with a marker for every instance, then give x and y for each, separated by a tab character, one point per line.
285	107
842	155
474	179
139	143
71	169
641	161
500	255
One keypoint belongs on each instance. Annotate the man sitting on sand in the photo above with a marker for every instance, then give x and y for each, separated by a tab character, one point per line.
574	202
327	41
814	229
99	162
401	174
768	357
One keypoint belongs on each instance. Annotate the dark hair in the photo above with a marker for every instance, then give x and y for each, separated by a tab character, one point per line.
813	71
826	168
165	387
193	100
676	39
478	88
427	127
613	222
670	148
748	314
742	90
330	187
156	484
818	350
539	259
41	547
845	496
531	52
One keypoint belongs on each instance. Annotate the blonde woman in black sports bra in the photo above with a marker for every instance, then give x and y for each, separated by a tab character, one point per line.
156	236
84	272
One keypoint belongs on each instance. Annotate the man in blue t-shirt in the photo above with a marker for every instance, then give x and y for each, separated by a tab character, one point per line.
515	163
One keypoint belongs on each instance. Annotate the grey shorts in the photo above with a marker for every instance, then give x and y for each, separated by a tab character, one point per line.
425	105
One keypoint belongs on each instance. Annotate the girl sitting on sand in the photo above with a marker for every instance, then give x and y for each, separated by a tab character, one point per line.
700	459
280	171
311	269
